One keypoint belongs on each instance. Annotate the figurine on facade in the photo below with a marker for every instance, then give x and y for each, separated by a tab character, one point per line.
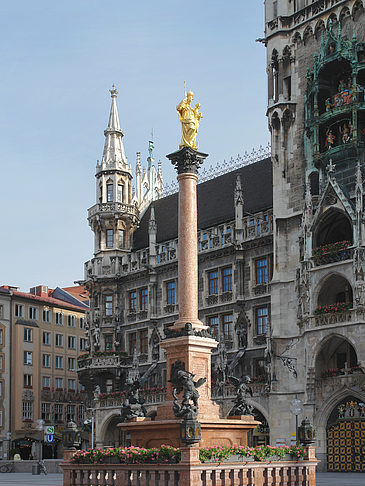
346	132
328	104
190	120
330	139
220	369
97	393
243	390
183	381
133	405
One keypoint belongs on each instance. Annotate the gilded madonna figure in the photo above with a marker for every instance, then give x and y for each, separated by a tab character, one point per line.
190	121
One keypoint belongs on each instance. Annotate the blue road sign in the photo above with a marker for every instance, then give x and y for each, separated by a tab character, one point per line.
50	438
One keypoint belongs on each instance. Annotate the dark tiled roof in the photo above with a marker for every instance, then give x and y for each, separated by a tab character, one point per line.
215	202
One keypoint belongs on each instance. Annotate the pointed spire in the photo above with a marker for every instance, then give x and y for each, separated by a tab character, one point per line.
114	156
113	117
238	193
152	221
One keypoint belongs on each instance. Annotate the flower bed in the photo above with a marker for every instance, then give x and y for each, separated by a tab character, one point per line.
331	248
259	453
167	454
338	307
128	455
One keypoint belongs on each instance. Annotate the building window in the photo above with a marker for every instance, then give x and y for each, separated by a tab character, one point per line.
1	361
46	360
71	342
228	327
46	315
108	339
262	314
108	305
46	411
33	313
120	192
109	238
133	301
261	271
46	339
59	362
27	410
143	298
59	340
71	321
58	412
214	325
28	357
213	282
143	341
82	323
59	383
59	318
121	235
71	384
1	311
2	387
132	340
27	381
227	279
1	337
170	293
46	382
71	364
83	344
19	310
28	335
81	414
109	192
71	412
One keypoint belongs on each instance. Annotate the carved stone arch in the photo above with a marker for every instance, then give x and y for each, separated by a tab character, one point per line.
344	14
106	421
261	409
307	34
297	39
287	119
332	218
324	412
357	8
319	346
109	181
319	28
332	18
336	277
275	122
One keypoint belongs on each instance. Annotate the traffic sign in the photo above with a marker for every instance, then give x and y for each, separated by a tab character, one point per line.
50	438
50	429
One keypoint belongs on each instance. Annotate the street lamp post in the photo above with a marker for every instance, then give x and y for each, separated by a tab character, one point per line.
296	408
92	422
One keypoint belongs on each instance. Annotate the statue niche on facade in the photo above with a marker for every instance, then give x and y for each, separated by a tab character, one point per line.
190	121
183	381
243	390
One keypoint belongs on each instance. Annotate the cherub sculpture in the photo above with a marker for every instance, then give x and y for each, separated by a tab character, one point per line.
241	406
183	381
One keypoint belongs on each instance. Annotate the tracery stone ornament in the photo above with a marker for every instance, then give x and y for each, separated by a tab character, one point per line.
183	381
243	390
133	405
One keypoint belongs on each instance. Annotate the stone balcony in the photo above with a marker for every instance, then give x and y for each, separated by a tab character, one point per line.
335	318
340	256
113	207
150	399
102	362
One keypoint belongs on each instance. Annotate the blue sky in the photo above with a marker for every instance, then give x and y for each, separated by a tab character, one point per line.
59	60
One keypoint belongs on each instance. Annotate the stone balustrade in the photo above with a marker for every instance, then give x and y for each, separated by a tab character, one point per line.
339	256
116	402
332	318
112	361
113	207
283	473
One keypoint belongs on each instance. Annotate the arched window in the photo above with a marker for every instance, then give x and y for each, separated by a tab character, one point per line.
314	183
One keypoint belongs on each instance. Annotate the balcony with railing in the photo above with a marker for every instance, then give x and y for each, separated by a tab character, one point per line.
113	207
102	360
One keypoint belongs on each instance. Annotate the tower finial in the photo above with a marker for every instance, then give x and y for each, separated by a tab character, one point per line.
113	91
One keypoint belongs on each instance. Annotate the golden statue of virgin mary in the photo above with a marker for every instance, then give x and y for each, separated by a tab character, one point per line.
190	121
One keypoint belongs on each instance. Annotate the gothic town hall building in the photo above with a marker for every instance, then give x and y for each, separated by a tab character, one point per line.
281	250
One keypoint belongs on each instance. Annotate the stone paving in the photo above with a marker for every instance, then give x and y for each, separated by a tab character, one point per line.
25	479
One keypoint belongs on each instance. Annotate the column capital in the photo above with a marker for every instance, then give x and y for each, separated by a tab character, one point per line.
187	160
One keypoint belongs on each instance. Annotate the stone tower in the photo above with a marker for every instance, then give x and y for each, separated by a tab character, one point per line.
316	82
114	217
